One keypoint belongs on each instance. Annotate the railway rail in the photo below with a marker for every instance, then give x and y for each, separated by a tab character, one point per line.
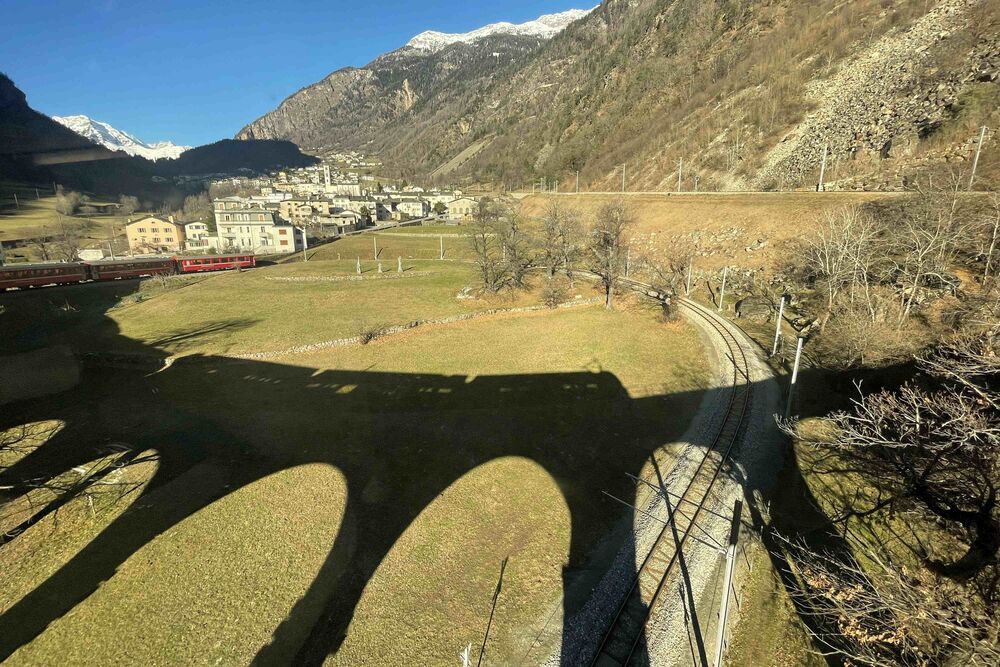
622	639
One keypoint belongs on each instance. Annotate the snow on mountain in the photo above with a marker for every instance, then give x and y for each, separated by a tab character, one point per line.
545	27
116	140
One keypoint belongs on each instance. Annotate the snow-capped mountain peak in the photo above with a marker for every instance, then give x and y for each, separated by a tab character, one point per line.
116	140
545	27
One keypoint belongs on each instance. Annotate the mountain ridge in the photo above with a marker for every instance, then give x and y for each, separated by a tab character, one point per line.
545	26
716	94
355	103
114	139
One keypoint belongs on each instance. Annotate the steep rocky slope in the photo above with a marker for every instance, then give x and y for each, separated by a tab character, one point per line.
352	106
720	94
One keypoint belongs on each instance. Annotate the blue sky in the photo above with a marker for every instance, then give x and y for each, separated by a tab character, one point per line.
195	71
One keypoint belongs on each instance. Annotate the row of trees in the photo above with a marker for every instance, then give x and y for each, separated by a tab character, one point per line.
506	246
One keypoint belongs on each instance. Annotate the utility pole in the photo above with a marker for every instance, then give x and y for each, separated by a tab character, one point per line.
722	292
680	173
399	265
37	196
466	656
975	160
305	246
623	177
359	266
16	203
696	182
795	376
777	327
734	538
441	239
822	170
690	266
375	243
577	181
111	249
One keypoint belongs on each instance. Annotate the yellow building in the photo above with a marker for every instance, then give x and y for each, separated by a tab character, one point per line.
153	234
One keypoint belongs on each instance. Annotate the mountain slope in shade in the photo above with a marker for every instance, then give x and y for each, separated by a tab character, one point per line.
544	27
116	140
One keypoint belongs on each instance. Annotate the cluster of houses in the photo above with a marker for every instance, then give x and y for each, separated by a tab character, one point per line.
292	208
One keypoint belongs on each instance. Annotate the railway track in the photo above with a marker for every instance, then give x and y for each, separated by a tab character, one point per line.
622	639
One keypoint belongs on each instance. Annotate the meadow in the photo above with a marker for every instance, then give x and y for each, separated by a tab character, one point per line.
353	504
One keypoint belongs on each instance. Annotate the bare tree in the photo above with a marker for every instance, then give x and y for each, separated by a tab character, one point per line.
935	447
67	241
666	275
608	247
67	202
197	207
128	204
501	247
882	614
927	237
561	239
844	255
987	229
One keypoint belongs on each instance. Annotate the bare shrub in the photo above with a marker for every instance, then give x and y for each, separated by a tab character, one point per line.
370	331
866	332
553	292
883	613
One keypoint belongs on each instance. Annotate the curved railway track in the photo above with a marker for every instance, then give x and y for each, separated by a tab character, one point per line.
621	641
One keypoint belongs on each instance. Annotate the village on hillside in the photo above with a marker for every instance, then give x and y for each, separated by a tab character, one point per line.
286	211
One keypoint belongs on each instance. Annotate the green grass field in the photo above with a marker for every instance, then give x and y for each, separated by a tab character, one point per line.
265	310
368	493
493	415
39	217
407	242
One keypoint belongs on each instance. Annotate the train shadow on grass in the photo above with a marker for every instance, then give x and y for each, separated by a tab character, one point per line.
413	434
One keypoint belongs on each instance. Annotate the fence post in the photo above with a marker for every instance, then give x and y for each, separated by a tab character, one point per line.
734	538
795	376
777	328
722	292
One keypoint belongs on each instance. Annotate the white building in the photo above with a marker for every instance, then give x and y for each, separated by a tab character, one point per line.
244	228
197	236
462	207
414	208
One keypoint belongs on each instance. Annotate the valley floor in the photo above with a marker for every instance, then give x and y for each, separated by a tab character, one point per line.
354	502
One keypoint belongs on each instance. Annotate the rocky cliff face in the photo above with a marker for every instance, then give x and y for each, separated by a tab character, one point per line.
352	106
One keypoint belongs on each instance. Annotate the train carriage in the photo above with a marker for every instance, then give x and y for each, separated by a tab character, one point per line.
215	263
37	275
132	267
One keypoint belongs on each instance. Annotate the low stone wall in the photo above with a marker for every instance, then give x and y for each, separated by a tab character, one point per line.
387	275
388	331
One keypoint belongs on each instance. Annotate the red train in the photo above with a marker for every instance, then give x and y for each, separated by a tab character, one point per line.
37	275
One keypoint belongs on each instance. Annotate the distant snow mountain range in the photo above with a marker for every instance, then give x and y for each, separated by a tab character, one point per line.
544	27
116	140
